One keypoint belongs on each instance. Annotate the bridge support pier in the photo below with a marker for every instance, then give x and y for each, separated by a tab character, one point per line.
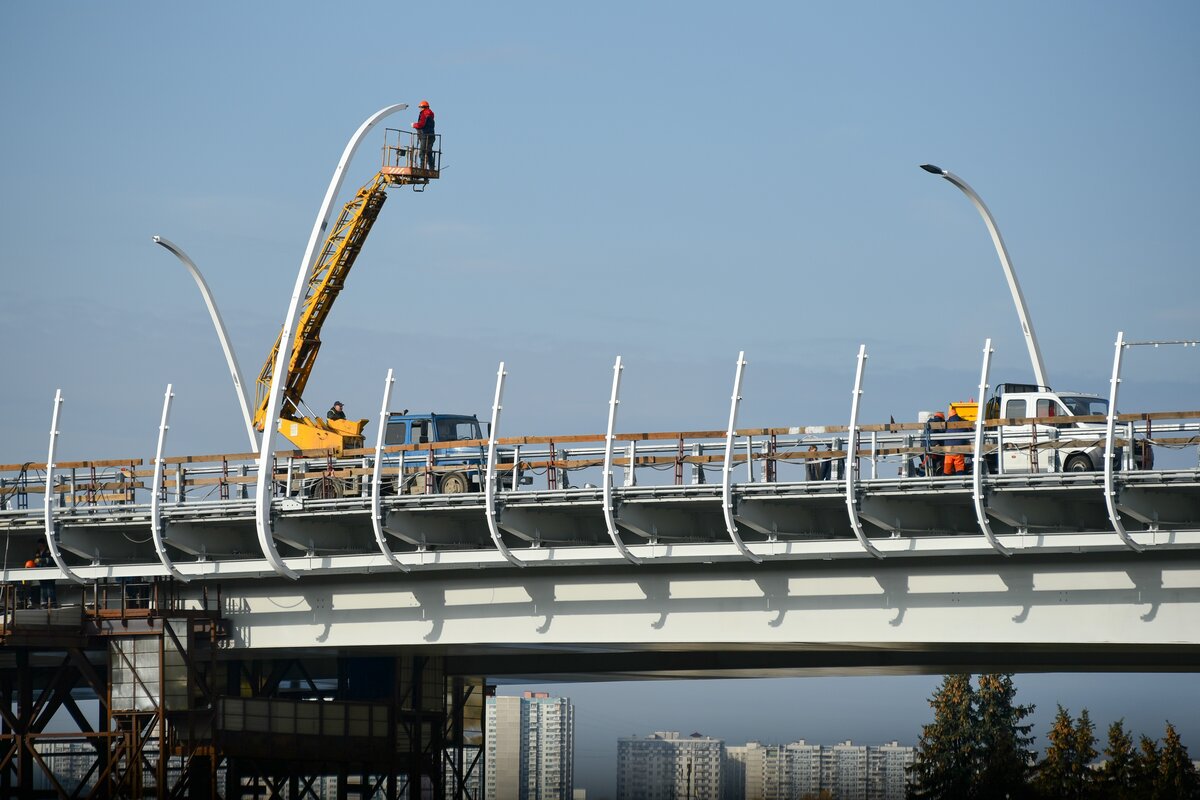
352	727
162	709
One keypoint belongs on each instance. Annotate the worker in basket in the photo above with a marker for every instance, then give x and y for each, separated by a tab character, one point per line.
425	128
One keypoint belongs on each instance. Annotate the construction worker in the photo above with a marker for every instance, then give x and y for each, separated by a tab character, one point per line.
425	134
931	462
337	411
28	593
955	463
49	589
816	468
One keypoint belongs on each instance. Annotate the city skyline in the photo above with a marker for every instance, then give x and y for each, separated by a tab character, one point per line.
866	710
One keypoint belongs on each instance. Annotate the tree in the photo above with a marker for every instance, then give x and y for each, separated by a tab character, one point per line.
1084	742
1118	776
1066	770
1176	778
944	768
1004	746
1145	768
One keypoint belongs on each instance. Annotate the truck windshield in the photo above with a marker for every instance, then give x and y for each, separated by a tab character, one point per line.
1085	406
453	430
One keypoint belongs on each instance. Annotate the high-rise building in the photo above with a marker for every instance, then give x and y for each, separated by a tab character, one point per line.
530	748
806	764
667	766
845	771
888	771
733	771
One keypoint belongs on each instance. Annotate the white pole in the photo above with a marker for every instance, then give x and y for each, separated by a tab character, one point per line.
727	466
1031	342
977	474
262	499
51	533
1110	491
490	478
606	477
852	458
156	527
230	358
376	475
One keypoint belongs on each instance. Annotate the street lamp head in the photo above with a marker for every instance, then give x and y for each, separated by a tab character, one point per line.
934	170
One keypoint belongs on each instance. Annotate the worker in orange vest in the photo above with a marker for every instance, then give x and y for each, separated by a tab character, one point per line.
955	463
29	595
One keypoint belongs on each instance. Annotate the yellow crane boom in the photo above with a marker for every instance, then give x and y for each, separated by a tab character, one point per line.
342	246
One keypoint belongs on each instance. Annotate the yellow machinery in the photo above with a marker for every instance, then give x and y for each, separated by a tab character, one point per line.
401	159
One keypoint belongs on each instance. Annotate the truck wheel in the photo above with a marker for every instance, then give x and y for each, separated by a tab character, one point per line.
325	488
455	483
1078	463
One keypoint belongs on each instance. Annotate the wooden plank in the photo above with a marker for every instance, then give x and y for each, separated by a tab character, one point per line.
218	457
41	466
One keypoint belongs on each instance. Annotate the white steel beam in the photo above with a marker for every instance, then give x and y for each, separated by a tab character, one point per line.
50	530
727	465
1110	490
490	478
376	483
852	458
156	526
978	464
991	604
606	478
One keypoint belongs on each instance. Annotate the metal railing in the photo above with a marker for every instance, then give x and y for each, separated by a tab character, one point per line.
760	455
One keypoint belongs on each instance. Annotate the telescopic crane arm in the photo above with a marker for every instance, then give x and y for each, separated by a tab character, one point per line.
342	246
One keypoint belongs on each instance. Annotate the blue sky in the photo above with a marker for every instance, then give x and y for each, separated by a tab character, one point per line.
668	182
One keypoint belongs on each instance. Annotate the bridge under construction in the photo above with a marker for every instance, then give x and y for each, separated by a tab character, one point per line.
270	623
194	657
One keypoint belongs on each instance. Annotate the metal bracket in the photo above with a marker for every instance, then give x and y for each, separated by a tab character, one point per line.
606	478
376	474
977	474
727	466
51	539
489	483
156	526
852	458
1110	492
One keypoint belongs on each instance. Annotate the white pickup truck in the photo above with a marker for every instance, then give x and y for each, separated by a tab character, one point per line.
1067	446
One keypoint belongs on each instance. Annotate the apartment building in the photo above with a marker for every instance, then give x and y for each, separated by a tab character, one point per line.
530	748
668	766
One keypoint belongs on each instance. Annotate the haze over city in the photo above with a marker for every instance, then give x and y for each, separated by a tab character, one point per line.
670	184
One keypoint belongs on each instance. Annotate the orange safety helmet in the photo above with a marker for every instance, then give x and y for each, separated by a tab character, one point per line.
423	104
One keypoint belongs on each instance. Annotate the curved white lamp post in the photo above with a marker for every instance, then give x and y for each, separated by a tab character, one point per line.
262	504
230	359
1031	342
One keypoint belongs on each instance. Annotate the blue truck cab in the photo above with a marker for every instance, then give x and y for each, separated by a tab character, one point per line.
455	469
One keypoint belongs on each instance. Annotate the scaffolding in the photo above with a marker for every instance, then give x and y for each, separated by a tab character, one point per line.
162	707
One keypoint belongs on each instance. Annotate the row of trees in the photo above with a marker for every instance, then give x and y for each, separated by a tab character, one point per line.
979	747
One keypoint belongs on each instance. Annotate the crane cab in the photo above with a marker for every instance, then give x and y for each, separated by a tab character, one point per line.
410	159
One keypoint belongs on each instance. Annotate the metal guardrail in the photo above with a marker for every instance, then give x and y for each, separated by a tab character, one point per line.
766	455
825	463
